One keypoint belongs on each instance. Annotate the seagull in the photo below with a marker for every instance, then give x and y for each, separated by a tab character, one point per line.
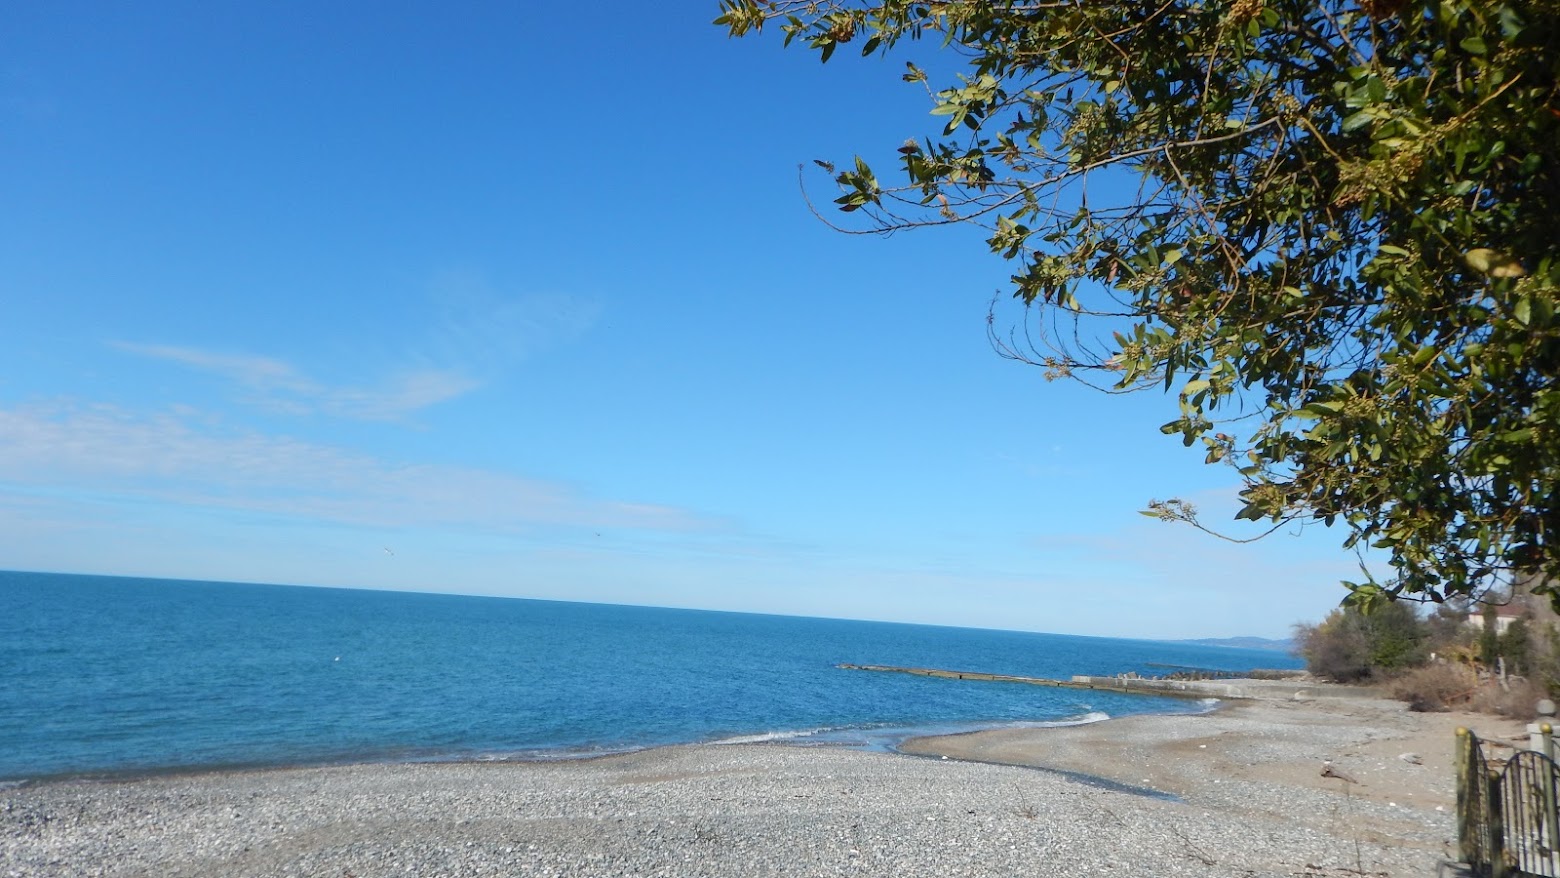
387	551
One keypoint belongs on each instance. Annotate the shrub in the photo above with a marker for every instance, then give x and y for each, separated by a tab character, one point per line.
1349	646
1438	686
1517	699
1336	649
1515	648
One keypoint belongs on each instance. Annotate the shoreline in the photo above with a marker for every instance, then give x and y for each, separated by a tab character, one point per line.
884	739
1250	801
1382	750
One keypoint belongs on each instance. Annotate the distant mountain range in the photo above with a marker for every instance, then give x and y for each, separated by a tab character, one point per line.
1285	645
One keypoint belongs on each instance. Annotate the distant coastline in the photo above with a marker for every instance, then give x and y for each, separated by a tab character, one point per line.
1285	645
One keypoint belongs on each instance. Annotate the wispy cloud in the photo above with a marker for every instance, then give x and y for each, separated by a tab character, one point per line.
279	385
261	373
473	336
176	457
475	325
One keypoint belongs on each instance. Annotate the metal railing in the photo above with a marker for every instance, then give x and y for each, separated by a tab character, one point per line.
1508	823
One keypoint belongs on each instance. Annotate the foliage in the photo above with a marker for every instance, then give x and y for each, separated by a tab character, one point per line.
1515	647
1447	632
1545	645
1329	225
1350	646
1335	650
1489	641
1396	636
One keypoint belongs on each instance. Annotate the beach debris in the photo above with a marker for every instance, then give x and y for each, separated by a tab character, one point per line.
1411	758
1329	771
1301	695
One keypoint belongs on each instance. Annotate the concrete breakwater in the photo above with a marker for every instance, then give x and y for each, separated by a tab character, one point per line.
1124	683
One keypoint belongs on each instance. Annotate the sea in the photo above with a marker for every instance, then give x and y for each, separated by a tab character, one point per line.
107	676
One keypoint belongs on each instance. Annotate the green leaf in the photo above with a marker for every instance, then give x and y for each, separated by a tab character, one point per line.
1356	121
1316	410
1194	387
1361	256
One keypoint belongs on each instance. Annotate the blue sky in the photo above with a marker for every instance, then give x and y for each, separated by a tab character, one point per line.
525	300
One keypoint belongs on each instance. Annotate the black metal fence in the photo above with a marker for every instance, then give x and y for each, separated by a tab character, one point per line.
1507	820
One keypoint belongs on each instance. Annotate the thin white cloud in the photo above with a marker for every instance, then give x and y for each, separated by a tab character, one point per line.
476	326
263	373
177	458
280	386
398	397
473	336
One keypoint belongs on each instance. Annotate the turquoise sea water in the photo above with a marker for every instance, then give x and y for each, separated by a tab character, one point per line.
107	674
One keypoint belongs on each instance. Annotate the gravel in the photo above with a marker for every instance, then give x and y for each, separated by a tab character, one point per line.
732	811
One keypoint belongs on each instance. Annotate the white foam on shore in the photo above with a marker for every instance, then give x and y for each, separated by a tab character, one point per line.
876	738
1083	719
767	737
888	738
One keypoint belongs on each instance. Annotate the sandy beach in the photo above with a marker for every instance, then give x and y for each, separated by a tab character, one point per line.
1237	792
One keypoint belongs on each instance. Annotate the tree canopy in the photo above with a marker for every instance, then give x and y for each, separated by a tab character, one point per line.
1332	228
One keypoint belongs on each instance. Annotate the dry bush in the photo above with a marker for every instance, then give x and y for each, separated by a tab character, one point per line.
1518	699
1337	649
1349	646
1436	686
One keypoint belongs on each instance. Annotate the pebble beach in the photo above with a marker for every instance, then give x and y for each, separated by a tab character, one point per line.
1240	791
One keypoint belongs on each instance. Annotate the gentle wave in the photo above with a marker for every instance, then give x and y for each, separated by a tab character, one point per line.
878	737
1093	716
771	737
